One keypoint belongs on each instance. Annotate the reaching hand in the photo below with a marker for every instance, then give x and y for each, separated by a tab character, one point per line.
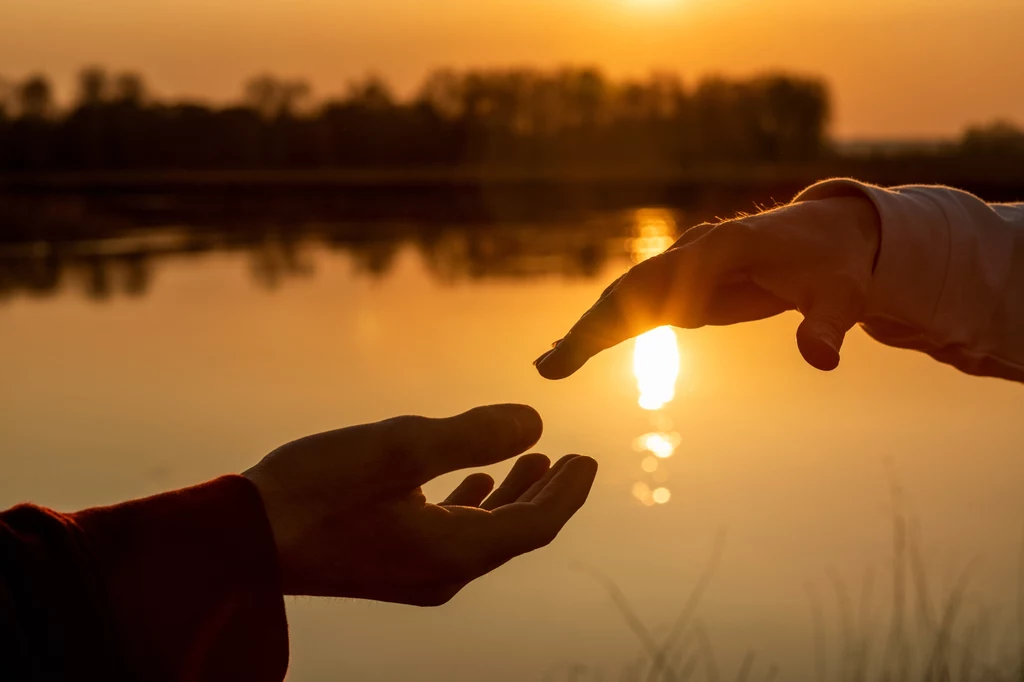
349	518
814	256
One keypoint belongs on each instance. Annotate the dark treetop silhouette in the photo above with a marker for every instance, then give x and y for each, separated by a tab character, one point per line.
534	121
522	118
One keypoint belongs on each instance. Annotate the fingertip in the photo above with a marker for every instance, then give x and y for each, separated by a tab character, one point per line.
543	356
472	491
817	346
584	468
558	363
482	478
569	488
574	472
819	355
563	461
479	481
534	460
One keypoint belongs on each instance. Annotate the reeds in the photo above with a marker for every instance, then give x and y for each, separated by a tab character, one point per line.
927	640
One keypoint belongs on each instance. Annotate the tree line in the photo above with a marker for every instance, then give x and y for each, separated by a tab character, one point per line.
515	118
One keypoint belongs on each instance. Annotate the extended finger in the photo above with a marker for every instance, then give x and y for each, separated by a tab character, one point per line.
743	302
471	492
527	470
687	237
672	288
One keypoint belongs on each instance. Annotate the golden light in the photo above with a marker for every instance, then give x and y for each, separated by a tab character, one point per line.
653	232
656	353
661	445
652	3
643	493
656	366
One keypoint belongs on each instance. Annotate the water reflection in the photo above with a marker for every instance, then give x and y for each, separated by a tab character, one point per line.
126	264
654	231
111	242
656	365
661	445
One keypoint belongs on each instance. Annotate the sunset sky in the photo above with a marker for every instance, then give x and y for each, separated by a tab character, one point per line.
899	68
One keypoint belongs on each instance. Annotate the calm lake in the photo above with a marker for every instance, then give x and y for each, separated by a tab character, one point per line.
170	353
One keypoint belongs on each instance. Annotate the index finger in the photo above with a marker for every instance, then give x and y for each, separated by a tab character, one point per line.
669	288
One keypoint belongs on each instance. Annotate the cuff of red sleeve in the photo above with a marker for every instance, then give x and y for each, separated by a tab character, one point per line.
193	579
913	259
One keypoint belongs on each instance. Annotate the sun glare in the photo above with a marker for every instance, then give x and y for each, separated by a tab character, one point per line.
656	354
661	445
656	366
652	3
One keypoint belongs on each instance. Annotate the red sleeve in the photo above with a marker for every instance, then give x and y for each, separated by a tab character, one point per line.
180	586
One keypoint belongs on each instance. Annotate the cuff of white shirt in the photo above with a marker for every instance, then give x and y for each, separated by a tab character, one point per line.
913	258
943	259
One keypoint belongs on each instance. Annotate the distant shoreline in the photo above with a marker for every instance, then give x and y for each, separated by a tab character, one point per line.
737	177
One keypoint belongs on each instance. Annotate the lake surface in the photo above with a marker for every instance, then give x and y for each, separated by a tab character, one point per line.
168	355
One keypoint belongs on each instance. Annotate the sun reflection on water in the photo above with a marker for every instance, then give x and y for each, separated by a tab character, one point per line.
656	363
653	232
656	366
661	445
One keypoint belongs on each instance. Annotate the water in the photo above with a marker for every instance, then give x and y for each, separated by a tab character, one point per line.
171	355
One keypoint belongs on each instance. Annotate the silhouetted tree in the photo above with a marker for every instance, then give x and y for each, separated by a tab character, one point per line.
273	97
35	97
999	139
371	93
494	118
6	99
93	87
129	89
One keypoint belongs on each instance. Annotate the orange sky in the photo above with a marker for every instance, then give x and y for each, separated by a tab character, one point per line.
898	67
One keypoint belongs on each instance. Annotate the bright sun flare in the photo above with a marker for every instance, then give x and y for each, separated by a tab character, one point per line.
656	366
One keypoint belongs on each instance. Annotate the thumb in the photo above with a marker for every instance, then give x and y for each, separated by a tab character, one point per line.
479	437
826	320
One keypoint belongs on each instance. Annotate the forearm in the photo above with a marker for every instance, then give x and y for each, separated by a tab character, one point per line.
178	586
949	273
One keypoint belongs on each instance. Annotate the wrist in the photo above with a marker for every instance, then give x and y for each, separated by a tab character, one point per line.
861	216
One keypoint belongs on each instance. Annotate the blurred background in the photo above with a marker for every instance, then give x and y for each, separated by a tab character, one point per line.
224	225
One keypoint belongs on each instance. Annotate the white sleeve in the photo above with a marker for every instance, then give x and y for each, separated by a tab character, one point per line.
949	279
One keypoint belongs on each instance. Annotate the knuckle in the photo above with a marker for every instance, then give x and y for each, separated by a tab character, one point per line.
733	233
